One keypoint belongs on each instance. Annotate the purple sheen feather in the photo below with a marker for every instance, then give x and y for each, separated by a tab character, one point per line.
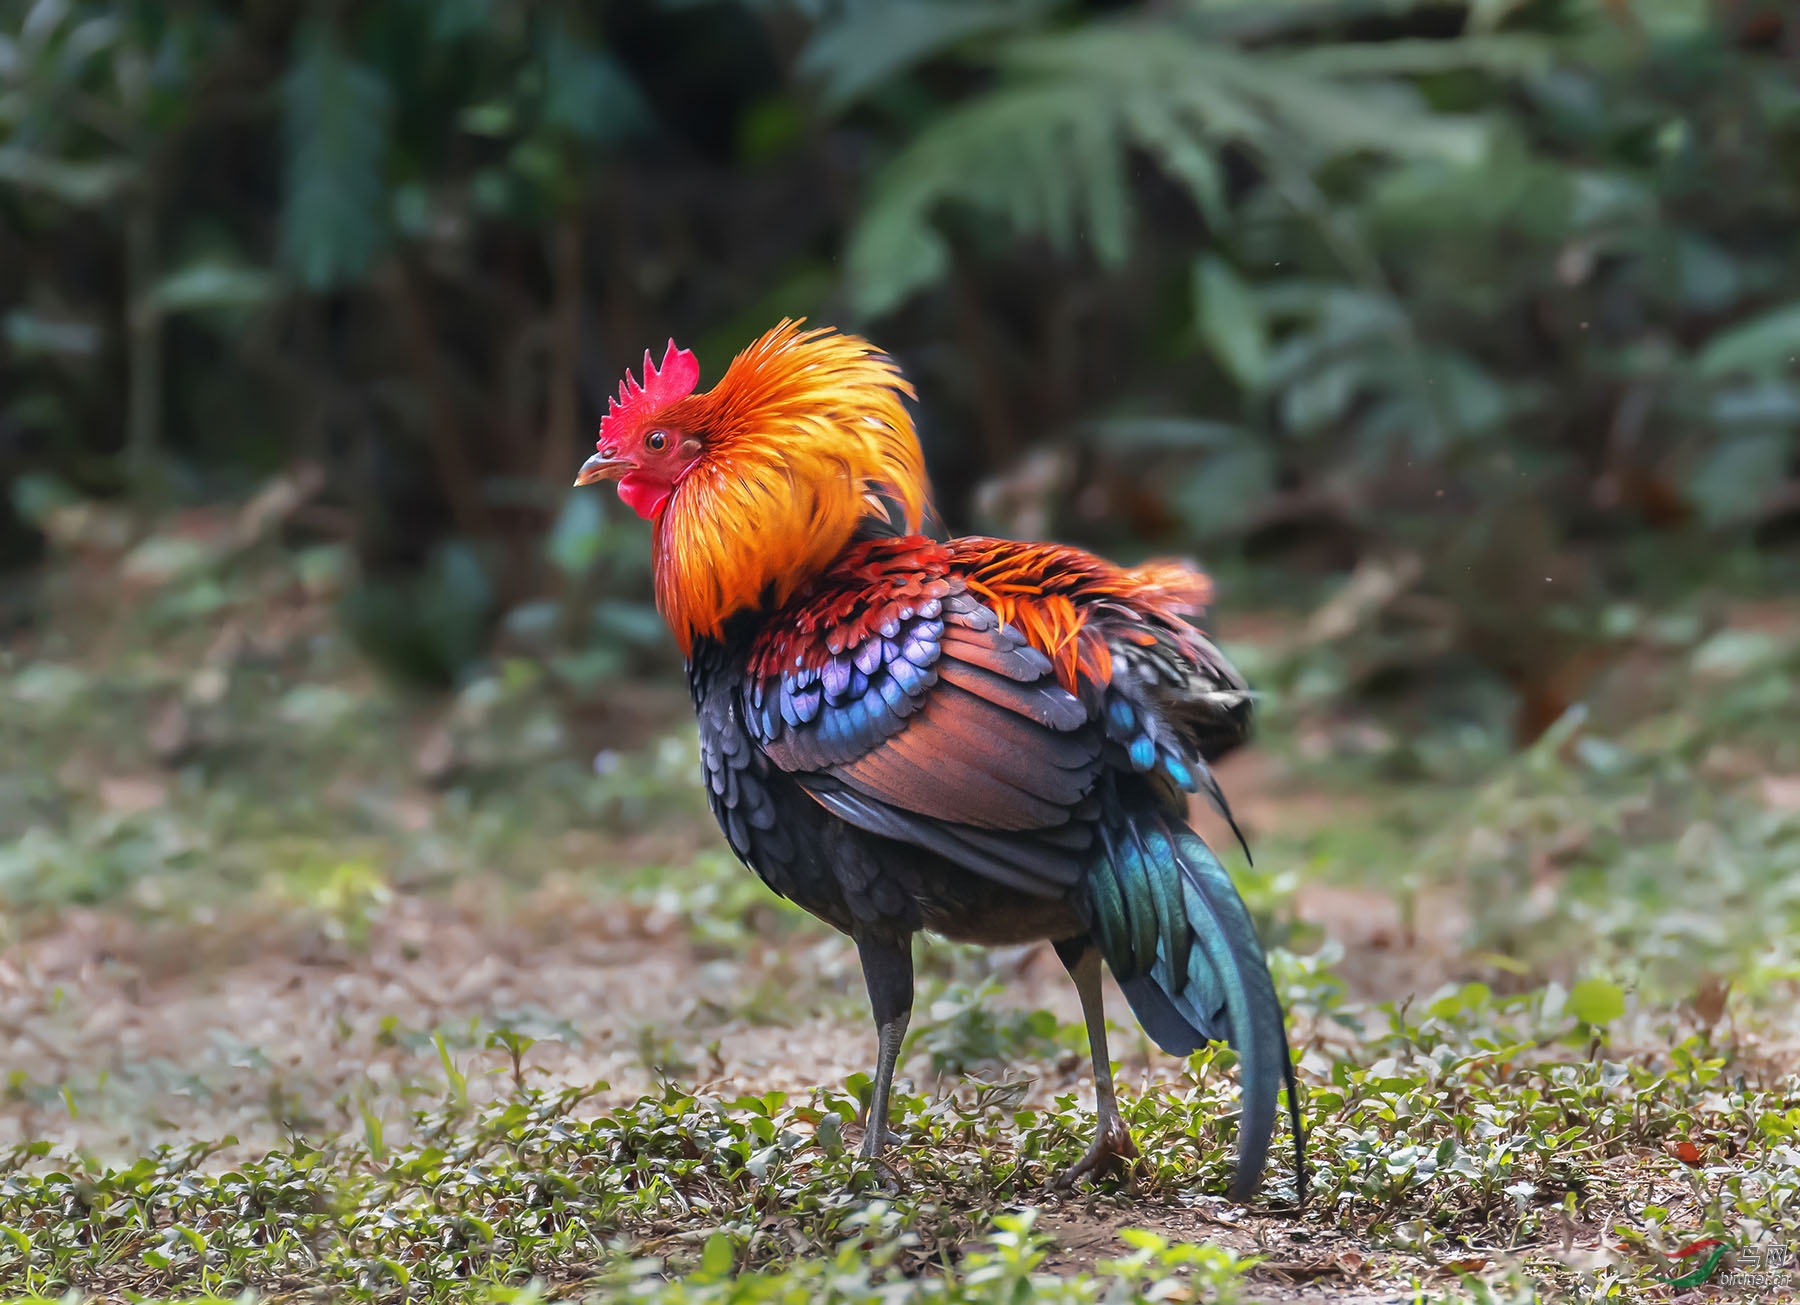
806	704
920	652
835	675
868	657
890	628
931	607
909	676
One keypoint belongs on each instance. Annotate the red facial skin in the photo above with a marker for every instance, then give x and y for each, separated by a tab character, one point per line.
648	466
647	456
643	495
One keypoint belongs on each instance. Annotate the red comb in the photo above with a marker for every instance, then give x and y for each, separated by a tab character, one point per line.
675	379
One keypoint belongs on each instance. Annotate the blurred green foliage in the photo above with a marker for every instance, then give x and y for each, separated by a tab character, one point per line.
1507	289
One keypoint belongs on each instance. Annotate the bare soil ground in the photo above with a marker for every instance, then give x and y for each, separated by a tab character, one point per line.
255	1024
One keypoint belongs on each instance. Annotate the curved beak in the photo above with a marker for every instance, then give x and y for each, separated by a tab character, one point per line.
600	467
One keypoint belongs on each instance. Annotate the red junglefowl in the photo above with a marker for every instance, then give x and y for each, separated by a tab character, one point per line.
900	731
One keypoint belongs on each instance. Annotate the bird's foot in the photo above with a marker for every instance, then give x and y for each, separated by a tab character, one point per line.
875	1141
1112	1149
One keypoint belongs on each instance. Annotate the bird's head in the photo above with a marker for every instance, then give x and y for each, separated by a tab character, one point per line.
642	445
756	485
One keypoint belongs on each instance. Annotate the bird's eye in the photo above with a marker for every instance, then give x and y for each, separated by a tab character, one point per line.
658	441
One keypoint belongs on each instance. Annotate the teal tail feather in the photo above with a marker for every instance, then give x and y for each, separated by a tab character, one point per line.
1180	941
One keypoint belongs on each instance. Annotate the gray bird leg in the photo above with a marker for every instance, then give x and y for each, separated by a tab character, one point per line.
888	972
1112	1140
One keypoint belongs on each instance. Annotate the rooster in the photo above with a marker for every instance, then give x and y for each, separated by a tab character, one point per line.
902	731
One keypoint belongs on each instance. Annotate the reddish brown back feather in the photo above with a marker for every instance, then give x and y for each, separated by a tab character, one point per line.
1052	592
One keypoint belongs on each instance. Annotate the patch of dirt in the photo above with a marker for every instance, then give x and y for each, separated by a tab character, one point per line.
1391	952
296	1033
126	1036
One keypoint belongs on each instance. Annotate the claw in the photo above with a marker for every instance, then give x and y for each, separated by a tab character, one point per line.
1112	1149
875	1141
887	1177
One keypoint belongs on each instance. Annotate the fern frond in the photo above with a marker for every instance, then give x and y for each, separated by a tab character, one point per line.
866	45
1045	153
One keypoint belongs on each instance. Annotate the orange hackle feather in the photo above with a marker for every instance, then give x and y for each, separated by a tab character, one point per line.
801	432
803	427
1051	592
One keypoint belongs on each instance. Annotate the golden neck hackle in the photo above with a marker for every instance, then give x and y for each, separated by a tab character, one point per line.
797	432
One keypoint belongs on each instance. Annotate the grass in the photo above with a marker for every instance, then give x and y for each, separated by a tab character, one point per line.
1556	1051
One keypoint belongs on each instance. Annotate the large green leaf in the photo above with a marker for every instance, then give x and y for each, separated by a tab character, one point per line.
82	184
1231	321
1739	474
1761	407
336	121
1223	491
452	20
1706	276
1033	156
895	253
212	283
1336	320
1595	1001
576	540
28	334
587	93
869	44
1769	342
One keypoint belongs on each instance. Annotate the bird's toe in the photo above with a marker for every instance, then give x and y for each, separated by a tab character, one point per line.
1112	1149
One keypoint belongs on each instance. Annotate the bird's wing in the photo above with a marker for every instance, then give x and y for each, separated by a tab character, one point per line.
1169	700
908	708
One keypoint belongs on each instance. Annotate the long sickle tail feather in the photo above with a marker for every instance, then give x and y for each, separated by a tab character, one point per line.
1182	944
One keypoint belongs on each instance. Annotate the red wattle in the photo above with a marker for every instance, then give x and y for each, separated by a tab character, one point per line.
643	495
